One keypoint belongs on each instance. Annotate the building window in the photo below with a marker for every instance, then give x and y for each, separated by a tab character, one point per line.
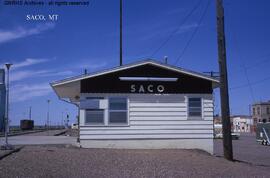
195	107
255	120
254	111
258	110
117	111
94	116
268	110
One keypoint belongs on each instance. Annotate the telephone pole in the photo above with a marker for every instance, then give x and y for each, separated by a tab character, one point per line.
121	32
7	146
224	94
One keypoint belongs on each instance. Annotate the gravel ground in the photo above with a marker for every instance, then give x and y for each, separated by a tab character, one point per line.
247	149
56	161
72	133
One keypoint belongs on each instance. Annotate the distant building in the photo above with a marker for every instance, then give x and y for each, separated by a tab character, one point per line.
217	119
2	98
261	112
239	123
242	123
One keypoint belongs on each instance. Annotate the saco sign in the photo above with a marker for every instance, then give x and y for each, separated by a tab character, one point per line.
146	88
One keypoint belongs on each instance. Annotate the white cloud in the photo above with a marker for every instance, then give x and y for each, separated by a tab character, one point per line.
53	73
25	92
167	32
20	75
28	62
21	32
188	27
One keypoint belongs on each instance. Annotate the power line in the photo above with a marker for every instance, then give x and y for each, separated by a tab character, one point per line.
251	83
194	33
243	65
254	65
245	70
178	28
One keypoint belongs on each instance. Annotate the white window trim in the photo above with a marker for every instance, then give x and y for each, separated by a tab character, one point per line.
106	115
127	111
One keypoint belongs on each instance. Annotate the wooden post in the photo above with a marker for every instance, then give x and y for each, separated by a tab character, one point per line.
224	94
121	33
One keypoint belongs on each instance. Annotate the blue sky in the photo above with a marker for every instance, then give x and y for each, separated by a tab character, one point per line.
88	37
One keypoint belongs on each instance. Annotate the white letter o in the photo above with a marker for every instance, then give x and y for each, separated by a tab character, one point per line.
160	88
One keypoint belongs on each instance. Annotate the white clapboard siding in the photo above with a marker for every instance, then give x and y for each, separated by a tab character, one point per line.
144	136
157	122
157	105
208	118
208	110
208	105
208	114
157	118
206	100
157	113
150	127
121	132
157	99
155	109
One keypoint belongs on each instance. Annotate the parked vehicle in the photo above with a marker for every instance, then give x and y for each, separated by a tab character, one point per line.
218	132
74	126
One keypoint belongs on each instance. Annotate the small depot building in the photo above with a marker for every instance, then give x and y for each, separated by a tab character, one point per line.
144	105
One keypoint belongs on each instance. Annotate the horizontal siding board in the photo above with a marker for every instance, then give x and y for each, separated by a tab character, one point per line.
159	109
208	114
134	132
210	110
157	104
157	113
144	136
208	118
207	100
157	118
155	99
208	105
198	122
149	127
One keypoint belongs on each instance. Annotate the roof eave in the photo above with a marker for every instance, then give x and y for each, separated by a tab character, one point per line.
177	69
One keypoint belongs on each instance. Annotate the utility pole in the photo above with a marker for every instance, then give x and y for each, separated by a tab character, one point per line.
7	146
121	32
224	94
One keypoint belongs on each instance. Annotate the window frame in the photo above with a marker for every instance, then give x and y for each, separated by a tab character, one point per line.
188	108
267	110
109	111
94	124
106	112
